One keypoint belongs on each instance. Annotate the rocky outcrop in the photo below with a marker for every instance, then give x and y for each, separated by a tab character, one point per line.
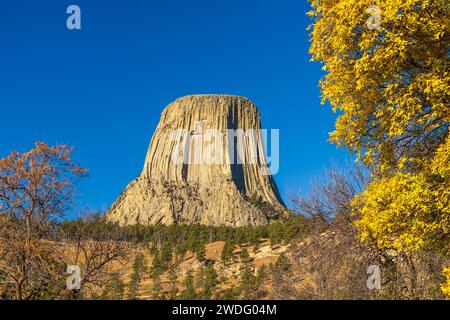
198	171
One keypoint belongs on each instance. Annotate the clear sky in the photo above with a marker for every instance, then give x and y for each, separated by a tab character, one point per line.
101	89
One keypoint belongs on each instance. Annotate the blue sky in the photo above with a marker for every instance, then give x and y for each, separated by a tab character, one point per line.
101	89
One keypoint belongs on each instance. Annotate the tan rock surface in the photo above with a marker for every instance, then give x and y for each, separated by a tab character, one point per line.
179	184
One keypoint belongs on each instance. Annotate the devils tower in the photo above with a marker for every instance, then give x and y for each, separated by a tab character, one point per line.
195	171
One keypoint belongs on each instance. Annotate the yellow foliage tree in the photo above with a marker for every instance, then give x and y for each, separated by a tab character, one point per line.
409	211
388	77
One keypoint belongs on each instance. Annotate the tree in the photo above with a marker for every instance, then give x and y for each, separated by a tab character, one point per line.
332	240
156	287
86	243
200	254
36	188
209	282
282	284
173	290
227	252
133	287
114	290
409	211
391	84
248	283
189	292
446	286
158	266
275	233
229	294
140	265
166	255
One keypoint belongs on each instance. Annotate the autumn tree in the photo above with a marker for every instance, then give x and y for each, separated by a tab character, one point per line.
340	262
36	189
388	77
93	249
389	81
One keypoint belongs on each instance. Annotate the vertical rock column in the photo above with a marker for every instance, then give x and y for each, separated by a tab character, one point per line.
191	172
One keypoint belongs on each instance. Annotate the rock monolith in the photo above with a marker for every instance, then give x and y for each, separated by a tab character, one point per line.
206	164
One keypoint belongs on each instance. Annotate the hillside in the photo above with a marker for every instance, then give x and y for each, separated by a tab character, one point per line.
229	273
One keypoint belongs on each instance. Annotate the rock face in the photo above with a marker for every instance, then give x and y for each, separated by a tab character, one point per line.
196	171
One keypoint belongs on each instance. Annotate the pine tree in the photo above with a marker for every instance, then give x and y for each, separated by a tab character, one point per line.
166	255
283	264
230	294
158	266
173	290
209	282
189	293
139	265
248	282
276	233
201	254
282	284
114	290
227	252
156	288
133	287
